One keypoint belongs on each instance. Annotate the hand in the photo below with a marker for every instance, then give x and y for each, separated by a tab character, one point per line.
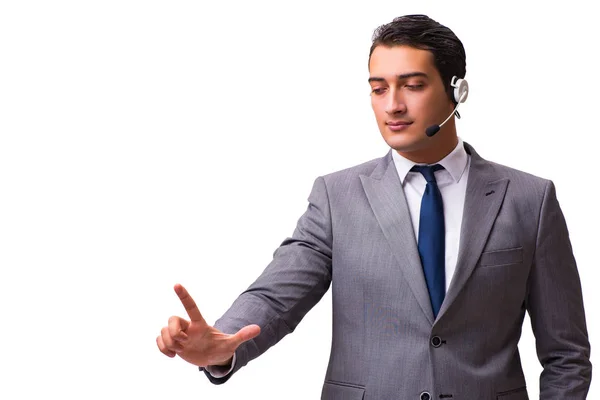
197	342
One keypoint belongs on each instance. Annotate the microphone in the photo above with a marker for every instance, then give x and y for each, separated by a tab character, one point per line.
433	129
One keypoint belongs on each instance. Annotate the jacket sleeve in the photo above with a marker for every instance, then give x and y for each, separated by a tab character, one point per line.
293	282
555	306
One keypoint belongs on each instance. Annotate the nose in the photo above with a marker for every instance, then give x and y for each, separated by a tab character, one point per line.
395	103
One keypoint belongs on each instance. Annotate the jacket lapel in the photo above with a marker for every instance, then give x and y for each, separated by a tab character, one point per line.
484	196
387	199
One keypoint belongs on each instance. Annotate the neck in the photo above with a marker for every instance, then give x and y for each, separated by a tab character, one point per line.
440	146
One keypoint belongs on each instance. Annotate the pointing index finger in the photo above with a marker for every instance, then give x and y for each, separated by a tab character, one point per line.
188	303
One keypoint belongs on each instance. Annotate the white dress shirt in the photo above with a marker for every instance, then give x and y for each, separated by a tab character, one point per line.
452	182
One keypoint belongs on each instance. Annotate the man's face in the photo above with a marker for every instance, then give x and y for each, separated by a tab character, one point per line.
408	96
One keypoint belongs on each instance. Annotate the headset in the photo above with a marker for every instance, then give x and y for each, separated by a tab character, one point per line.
459	94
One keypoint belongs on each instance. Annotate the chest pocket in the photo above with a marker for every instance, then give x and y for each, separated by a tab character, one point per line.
501	257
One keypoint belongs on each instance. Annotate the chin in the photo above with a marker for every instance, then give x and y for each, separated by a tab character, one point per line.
405	142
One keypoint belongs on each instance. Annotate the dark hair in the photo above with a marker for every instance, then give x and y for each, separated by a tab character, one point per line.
421	32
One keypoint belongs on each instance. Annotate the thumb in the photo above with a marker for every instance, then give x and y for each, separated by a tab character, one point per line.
248	332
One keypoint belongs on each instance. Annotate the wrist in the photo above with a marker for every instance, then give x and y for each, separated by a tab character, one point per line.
226	363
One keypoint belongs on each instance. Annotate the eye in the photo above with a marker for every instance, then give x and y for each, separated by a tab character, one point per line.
415	87
378	90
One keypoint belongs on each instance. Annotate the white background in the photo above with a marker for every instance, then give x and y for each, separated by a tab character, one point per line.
145	143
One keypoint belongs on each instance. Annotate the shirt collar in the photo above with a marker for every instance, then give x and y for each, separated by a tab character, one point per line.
455	162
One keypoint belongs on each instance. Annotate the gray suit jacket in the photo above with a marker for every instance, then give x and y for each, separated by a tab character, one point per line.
515	255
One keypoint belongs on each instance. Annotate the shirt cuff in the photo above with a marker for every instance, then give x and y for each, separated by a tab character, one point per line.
218	371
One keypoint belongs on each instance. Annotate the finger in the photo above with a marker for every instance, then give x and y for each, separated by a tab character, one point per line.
163	349
168	341
246	333
188	303
177	327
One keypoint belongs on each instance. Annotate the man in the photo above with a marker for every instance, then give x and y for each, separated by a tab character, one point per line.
434	255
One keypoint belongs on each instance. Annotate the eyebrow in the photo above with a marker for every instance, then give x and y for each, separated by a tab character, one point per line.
399	77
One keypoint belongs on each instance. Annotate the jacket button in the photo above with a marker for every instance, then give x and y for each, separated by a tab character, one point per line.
436	341
425	396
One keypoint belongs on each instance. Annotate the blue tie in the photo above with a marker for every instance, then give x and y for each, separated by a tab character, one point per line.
431	244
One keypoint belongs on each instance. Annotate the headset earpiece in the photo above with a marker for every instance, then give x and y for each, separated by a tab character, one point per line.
461	89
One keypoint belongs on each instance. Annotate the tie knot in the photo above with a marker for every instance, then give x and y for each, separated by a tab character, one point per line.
427	171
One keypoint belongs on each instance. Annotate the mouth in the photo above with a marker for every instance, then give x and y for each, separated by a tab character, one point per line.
398	125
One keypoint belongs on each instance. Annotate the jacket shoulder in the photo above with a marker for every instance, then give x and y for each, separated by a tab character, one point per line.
354	172
514	173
